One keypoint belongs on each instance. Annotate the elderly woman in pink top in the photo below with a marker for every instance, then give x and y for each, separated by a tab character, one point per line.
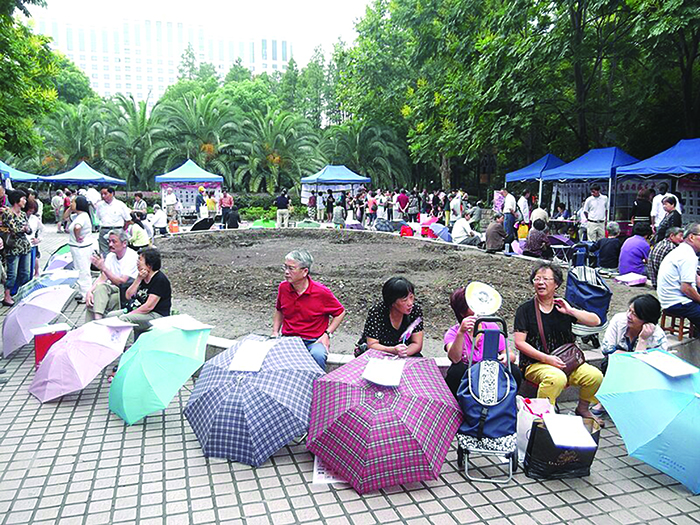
459	343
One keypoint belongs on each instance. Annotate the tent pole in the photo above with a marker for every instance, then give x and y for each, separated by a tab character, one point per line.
610	196
539	200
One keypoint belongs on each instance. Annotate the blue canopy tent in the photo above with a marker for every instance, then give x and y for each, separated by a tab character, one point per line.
600	163
335	178
83	173
678	160
185	180
534	170
15	175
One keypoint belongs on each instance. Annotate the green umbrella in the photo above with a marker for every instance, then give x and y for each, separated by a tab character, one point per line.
306	223
263	223
156	366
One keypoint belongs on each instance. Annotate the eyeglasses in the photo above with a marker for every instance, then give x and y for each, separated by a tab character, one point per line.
286	267
542	280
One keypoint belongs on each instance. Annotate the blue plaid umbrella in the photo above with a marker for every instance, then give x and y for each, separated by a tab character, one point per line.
248	416
382	225
55	278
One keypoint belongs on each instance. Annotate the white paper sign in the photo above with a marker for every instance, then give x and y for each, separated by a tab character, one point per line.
324	475
250	355
386	372
568	431
666	363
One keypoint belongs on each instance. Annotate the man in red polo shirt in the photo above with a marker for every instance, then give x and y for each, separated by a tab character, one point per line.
306	308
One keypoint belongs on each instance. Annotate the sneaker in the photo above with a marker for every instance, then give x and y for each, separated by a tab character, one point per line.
80	300
598	411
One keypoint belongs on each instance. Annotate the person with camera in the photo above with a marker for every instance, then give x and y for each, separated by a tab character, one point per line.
117	271
17	247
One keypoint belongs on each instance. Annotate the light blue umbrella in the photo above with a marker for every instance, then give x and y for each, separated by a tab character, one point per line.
658	416
441	231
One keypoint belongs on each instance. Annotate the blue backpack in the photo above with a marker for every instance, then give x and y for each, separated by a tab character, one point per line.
487	391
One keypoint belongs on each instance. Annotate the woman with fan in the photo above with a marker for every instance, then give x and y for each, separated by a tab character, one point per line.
395	325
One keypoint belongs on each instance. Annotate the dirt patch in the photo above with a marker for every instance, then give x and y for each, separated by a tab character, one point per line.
229	279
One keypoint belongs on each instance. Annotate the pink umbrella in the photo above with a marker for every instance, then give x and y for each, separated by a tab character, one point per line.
38	308
76	359
377	436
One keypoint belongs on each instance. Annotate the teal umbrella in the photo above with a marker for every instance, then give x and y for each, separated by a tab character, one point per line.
306	223
156	366
657	415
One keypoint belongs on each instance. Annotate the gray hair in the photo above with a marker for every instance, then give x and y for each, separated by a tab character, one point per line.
613	228
674	230
303	257
121	234
692	228
497	215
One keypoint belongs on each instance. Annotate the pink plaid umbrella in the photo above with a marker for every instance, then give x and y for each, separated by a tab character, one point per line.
376	436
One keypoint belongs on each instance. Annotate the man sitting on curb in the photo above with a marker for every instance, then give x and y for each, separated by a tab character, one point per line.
118	271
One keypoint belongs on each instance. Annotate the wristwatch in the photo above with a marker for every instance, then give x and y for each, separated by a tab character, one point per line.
330	335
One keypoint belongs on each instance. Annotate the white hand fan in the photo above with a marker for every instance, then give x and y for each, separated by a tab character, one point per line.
482	298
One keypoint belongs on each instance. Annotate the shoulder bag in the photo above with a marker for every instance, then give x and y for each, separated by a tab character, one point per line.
569	353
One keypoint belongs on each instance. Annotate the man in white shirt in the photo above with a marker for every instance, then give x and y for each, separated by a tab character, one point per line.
170	203
57	205
456	207
118	271
113	214
509	208
462	232
595	210
524	206
159	220
678	281
657	205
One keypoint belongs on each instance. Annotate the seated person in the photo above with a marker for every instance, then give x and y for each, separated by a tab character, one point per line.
388	320
608	248
671	219
138	236
118	270
462	232
674	236
233	219
635	250
159	220
496	234
561	214
339	216
459	343
635	330
150	295
537	243
557	317
539	213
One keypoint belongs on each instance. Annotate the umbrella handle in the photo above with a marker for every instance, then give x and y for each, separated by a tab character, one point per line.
71	323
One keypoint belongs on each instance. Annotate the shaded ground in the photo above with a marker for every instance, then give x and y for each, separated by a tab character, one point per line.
230	278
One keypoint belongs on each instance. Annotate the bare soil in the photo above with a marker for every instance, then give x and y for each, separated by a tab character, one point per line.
229	278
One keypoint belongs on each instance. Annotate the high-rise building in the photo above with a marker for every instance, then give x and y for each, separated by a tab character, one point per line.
140	56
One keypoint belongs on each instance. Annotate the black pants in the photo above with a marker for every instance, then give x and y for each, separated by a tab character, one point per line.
456	372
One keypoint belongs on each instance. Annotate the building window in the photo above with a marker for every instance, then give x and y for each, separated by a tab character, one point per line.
139	86
81	40
127	60
274	66
127	77
107	84
149	70
105	67
106	76
138	77
149	79
117	77
117	68
94	75
118	85
128	86
263	49
252	54
94	67
284	51
127	68
69	38
160	79
274	50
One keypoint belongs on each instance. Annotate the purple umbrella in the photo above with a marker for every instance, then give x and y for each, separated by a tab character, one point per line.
441	231
75	360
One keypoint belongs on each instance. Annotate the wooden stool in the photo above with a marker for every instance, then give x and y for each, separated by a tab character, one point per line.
676	325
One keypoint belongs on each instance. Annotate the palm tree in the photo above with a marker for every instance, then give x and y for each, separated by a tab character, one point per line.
277	150
371	150
201	128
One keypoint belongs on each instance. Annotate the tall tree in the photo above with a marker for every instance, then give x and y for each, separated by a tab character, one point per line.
289	87
187	68
237	72
312	89
72	85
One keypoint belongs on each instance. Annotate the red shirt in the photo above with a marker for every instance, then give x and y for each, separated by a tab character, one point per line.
306	315
403	200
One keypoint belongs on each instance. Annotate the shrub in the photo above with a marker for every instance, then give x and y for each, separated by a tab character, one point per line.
253	213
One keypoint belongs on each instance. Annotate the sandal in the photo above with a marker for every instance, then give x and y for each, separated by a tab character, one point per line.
7	303
595	418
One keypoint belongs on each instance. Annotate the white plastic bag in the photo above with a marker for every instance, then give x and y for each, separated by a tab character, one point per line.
528	411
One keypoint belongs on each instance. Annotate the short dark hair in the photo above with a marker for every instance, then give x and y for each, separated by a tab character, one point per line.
151	256
539	224
138	194
109	189
641	228
561	206
546	265
663	187
31	206
595	187
396	288
82	204
671	200
646	307
14	196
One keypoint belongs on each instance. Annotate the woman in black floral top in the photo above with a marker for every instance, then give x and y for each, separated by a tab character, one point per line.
17	250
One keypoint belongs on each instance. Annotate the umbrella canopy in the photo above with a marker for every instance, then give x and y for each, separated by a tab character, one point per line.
54	278
596	164
306	223
681	159
75	360
376	436
263	223
383	225
202	225
156	366
336	175
83	173
248	416
534	171
16	175
38	308
189	172
658	416
442	231
60	259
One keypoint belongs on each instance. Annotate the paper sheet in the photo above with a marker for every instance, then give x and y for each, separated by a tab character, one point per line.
386	372
324	475
666	363
250	355
568	431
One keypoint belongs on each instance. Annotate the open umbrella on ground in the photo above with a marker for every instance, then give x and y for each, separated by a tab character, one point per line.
263	223
657	415
75	360
54	278
203	225
376	436
306	223
60	259
36	309
156	366
383	225
442	231
353	225
247	416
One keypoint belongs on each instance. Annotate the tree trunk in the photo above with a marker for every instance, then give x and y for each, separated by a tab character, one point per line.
445	173
577	16
687	51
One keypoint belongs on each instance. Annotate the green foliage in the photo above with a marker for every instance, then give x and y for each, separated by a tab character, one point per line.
72	85
238	73
254	213
187	69
248	200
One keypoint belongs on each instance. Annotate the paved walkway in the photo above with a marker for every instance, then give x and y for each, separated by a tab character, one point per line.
74	462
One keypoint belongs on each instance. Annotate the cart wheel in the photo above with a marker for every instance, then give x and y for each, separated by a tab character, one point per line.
460	457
